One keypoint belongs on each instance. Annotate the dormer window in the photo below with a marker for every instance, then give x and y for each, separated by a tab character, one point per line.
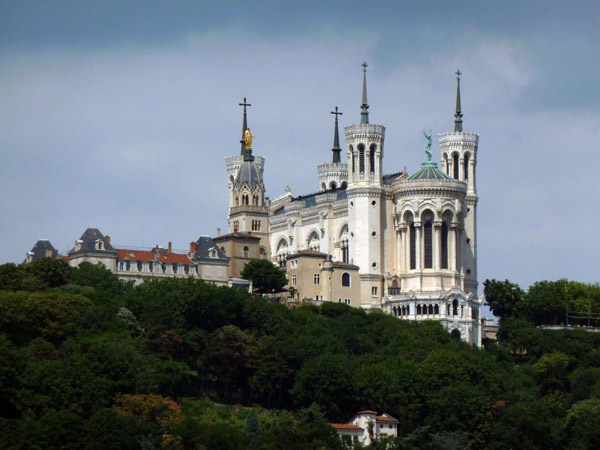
99	245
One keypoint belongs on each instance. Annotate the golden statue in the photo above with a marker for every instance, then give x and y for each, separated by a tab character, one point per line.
248	138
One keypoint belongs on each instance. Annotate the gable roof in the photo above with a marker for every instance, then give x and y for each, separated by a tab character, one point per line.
159	255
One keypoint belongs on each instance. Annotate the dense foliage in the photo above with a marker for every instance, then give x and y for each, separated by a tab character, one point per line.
89	362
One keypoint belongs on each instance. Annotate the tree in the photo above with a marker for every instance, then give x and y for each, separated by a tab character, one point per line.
265	276
503	297
582	424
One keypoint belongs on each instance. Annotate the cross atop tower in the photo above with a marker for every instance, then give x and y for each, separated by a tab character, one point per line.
458	74
244	126
458	126
364	66
336	113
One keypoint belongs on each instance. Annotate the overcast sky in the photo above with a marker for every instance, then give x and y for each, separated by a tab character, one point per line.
120	115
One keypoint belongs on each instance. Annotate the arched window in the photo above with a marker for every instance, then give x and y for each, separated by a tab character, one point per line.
430	310
418	310
466	167
413	246
244	199
436	309
372	157
246	252
263	253
255	199
361	158
455	307
282	252
444	245
455	334
455	166
408	310
428	241
314	243
343	185
333	185
346	279
344	245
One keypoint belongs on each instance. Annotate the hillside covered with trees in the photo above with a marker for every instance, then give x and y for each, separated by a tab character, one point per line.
89	362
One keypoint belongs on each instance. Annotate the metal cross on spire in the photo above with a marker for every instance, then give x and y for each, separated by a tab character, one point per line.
458	74
244	126
336	138
364	66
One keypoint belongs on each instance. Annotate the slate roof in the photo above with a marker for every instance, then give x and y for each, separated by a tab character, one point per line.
204	245
40	249
249	174
391	177
89	238
429	171
238	236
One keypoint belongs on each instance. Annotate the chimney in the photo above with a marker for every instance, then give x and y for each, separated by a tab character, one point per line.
170	247
107	238
218	232
192	248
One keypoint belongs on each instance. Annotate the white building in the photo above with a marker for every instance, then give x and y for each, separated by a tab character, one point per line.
413	237
366	427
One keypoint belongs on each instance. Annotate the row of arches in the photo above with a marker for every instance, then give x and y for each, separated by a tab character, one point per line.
457	167
362	159
427	244
333	185
427	309
245	200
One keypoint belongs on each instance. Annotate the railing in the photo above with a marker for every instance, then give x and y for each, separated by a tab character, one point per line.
394	291
248	208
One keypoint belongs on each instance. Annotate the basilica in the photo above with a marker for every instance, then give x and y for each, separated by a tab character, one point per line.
401	243
398	242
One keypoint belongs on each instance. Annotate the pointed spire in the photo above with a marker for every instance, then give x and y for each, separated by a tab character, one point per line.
336	138
244	127
458	114
364	113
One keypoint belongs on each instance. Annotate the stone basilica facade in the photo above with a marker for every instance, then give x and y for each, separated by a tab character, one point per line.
404	244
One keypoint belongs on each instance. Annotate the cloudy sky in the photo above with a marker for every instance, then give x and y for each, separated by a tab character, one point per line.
119	114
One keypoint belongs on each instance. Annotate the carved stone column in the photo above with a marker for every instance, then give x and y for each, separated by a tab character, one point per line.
418	245
437	249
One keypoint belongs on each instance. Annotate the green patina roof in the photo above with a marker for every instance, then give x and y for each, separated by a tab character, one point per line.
429	171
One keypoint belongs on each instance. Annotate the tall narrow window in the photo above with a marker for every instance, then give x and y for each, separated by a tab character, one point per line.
413	246
317	278
466	168
346	279
444	245
455	166
446	163
246	252
372	158
361	158
428	245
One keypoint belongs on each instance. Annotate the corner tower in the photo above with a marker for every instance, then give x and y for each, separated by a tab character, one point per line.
334	175
459	161
364	147
248	208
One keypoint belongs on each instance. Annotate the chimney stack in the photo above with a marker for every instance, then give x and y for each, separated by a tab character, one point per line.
218	232
192	248
107	238
170	247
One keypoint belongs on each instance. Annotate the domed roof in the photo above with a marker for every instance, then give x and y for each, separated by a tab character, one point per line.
248	174
429	171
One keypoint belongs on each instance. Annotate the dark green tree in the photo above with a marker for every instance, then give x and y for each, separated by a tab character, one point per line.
503	297
265	276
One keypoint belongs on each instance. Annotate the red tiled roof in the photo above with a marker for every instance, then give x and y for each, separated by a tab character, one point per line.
386	419
366	411
143	255
346	426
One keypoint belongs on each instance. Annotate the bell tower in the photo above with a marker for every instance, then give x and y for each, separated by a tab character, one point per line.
459	161
364	147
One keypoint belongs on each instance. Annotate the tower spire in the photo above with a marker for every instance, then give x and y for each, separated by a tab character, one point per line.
458	114
364	113
336	138
244	127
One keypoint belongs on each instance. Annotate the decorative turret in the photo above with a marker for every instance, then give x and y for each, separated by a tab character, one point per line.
364	143
334	175
459	161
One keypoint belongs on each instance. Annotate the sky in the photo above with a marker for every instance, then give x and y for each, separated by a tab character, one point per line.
120	115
